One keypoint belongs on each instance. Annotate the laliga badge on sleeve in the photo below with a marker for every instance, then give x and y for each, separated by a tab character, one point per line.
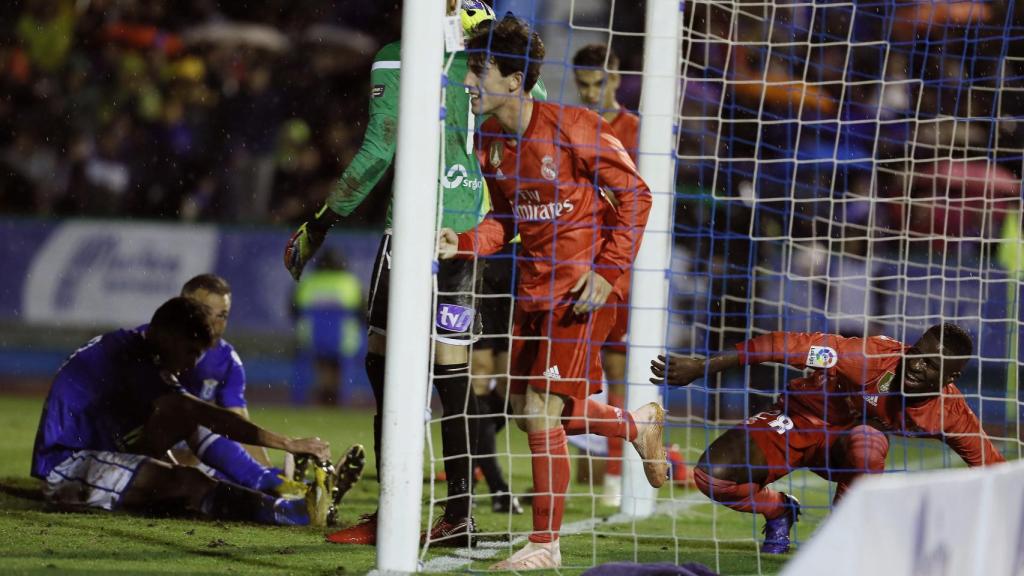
821	357
454	37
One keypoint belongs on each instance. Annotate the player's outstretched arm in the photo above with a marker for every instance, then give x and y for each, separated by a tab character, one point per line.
237	428
676	370
368	166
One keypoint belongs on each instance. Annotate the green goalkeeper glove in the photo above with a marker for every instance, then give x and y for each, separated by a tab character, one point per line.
307	240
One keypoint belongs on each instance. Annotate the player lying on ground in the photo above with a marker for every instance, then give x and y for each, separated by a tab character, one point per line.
544	164
219	378
456	321
833	421
115	408
597	80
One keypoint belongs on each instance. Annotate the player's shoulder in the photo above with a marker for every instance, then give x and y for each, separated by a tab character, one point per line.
389	53
626	119
489	129
579	123
223	352
884	343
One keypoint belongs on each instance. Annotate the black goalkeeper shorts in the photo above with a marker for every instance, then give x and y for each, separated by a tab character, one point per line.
497	297
456	320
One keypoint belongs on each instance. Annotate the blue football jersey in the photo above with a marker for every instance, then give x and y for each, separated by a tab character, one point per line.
102	394
218	378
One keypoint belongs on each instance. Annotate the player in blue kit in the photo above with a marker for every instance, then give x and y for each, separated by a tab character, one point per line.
219	378
116	406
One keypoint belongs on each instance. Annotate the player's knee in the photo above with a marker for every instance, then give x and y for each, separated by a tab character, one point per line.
867	449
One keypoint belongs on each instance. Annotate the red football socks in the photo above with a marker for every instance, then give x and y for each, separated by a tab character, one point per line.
592	417
747	497
615	442
550	481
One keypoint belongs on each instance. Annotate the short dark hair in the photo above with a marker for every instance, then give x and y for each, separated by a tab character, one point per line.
511	44
185	318
596	56
955	340
210	282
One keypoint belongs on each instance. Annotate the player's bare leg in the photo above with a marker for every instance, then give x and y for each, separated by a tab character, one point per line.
614	363
733	471
541	414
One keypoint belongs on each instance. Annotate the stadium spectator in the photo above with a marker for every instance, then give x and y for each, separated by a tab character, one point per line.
833	421
115	407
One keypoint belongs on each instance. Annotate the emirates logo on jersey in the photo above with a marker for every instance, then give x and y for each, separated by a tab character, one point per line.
531	208
548	169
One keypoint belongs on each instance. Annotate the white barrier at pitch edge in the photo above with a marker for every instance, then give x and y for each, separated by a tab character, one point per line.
947	522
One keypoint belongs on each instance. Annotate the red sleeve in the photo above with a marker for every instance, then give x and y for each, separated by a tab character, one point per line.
783	347
490	235
602	155
964	434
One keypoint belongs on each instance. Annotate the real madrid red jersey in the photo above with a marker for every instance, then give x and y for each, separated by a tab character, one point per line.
627	128
545	186
853	382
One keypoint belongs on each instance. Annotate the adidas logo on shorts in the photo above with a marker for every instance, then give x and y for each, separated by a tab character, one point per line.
553	372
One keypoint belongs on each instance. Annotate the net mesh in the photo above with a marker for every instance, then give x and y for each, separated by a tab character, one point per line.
847	168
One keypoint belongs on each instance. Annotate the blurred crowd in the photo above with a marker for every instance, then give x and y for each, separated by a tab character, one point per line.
836	119
193	110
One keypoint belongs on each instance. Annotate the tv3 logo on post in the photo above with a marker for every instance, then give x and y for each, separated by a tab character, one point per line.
455	318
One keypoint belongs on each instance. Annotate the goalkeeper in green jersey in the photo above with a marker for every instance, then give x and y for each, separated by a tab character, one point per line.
456	320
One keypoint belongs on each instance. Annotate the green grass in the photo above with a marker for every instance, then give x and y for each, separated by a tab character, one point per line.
35	539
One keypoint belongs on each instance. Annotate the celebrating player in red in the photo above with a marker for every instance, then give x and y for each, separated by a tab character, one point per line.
545	166
597	80
834	420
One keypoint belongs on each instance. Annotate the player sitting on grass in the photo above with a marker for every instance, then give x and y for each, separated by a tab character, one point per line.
544	164
115	407
219	378
833	421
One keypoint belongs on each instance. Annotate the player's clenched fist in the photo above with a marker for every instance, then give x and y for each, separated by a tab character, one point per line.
677	370
447	244
319	449
304	243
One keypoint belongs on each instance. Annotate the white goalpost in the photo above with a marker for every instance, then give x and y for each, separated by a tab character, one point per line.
406	382
648	319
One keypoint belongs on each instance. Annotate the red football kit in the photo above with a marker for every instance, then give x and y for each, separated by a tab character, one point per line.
627	127
545	186
852	384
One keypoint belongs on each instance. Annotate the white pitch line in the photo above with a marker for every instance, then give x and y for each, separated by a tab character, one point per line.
463	557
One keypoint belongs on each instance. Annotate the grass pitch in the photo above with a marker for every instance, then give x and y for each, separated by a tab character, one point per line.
35	539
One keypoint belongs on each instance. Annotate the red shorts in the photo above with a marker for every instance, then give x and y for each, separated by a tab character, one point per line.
555	351
791	441
616	340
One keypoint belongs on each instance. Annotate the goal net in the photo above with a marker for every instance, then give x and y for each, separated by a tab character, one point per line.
840	167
